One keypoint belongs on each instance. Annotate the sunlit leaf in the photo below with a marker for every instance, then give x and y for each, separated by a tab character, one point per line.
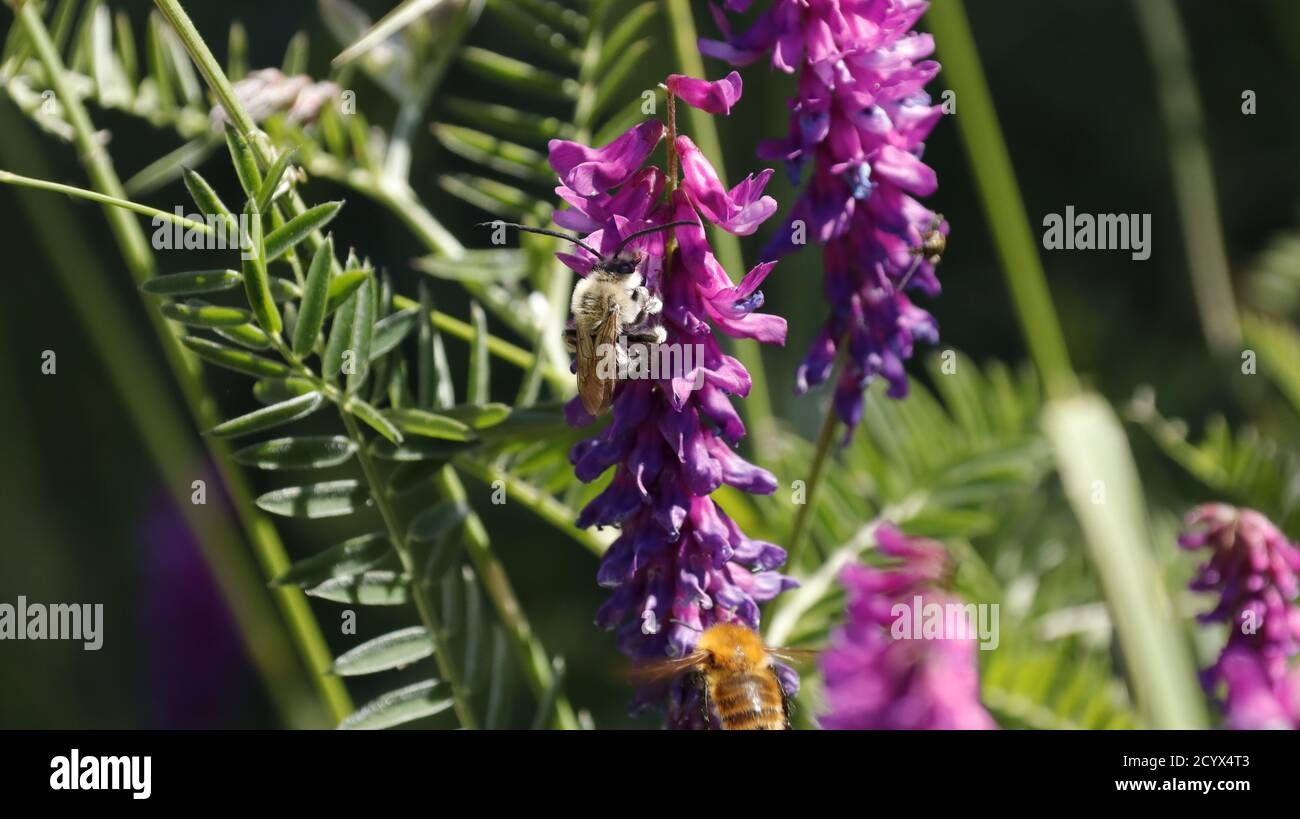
393	650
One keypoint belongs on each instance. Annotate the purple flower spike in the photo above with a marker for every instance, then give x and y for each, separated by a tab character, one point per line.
861	118
875	680
1253	567
715	97
680	564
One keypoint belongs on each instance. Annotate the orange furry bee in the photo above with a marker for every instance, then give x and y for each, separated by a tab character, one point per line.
733	672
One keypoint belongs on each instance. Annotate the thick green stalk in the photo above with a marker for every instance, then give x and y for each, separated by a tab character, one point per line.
491	573
1093	456
758	405
1193	177
135	249
165	434
990	164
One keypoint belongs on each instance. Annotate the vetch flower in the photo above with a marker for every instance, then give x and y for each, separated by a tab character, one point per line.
268	91
860	118
680	564
877	681
1253	568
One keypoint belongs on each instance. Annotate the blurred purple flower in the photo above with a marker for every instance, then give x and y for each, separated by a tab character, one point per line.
874	681
1253	567
269	91
198	673
861	116
680	564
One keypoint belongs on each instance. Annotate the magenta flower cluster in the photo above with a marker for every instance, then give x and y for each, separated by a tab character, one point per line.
680	564
1253	568
861	118
875	680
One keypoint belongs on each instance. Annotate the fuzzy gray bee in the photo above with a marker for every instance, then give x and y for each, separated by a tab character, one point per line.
610	303
933	244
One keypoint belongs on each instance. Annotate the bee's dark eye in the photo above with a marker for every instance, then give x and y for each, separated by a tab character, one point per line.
636	295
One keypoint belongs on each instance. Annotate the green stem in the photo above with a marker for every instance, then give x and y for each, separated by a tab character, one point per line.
758	404
419	589
537	668
802	519
528	649
8	178
991	166
1193	177
135	250
165	434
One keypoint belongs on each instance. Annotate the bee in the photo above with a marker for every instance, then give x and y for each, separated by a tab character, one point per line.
733	673
933	244
608	304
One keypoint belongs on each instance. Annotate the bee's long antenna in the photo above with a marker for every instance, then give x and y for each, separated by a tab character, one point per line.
543	231
644	231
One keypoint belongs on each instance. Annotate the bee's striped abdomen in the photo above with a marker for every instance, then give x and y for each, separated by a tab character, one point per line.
749	702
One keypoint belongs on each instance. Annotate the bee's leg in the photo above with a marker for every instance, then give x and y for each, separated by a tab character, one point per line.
653	334
650	305
785	702
571	339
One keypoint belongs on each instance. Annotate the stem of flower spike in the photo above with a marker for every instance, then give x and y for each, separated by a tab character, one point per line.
758	404
802	518
135	249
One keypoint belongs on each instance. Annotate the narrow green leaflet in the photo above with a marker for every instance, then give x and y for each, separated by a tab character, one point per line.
200	314
250	178
270	417
373	417
275	390
246	335
257	284
429	425
342	286
237	360
374	587
480	416
274	176
206	198
363	328
311	314
193	283
305	452
393	650
340	338
328	499
423	699
288	235
342	560
437	521
477	392
391	330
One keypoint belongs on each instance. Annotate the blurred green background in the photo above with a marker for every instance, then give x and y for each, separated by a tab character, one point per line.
85	517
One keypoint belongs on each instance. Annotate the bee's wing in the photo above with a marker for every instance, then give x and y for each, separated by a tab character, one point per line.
794	656
667	669
597	393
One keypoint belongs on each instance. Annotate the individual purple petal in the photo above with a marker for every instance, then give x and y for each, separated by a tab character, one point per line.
716	97
592	171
